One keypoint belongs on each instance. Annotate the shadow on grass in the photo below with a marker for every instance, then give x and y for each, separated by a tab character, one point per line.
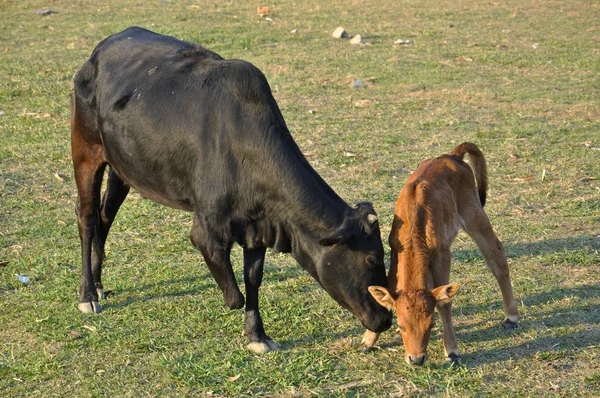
535	248
541	317
548	348
200	283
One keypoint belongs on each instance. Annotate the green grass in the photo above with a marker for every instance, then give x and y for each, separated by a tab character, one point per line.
470	73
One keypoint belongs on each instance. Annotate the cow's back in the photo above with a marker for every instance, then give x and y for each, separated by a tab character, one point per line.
170	112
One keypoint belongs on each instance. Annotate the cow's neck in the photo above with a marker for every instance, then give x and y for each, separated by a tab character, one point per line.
414	270
306	201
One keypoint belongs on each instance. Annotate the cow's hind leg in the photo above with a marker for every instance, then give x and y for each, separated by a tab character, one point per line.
480	230
114	195
89	165
258	341
217	257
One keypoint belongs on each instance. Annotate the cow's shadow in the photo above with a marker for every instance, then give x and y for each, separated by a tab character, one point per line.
122	296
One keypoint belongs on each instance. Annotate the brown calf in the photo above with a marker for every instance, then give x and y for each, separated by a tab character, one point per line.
439	198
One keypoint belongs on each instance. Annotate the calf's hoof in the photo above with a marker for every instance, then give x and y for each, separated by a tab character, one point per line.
454	359
90	307
365	349
508	324
263	346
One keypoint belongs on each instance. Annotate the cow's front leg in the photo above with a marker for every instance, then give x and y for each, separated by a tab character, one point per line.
218	260
258	341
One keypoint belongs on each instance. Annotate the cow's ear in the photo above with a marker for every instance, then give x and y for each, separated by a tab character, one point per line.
382	296
335	238
444	294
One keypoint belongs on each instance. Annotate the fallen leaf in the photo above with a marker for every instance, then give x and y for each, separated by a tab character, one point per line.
74	333
463	59
38	320
592	29
586	179
100	371
58	177
3	264
234	378
90	327
262	11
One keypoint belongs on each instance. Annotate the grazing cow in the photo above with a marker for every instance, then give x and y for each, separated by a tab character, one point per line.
193	131
439	198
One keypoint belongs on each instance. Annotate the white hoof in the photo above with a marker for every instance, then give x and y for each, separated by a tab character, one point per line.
262	347
100	293
89	307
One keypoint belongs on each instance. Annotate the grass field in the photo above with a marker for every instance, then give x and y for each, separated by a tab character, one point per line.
520	79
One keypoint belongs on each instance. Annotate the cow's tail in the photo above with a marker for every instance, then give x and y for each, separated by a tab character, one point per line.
478	165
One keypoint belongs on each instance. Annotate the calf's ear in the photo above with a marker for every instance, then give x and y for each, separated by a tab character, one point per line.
444	294
382	296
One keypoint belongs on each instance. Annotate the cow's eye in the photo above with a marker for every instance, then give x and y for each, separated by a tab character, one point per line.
372	260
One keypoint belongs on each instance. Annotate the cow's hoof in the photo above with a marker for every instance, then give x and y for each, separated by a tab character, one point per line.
365	349
90	307
454	359
508	324
264	346
100	293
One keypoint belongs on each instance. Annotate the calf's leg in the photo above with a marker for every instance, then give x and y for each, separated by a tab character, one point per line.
258	340
441	277
479	228
217	257
114	195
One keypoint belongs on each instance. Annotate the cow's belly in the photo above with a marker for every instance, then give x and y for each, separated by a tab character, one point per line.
154	179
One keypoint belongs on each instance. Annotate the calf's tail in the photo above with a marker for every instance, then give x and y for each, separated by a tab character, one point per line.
478	165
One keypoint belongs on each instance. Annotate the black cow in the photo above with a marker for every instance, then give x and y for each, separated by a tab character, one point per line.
193	131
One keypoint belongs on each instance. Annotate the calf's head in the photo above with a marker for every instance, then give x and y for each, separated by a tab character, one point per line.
352	260
414	311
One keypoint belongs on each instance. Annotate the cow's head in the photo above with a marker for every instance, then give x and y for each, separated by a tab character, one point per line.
351	262
414	310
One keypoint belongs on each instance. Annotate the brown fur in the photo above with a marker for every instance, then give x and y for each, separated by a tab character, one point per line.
439	198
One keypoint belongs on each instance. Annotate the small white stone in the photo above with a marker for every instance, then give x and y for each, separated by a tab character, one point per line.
340	33
356	40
